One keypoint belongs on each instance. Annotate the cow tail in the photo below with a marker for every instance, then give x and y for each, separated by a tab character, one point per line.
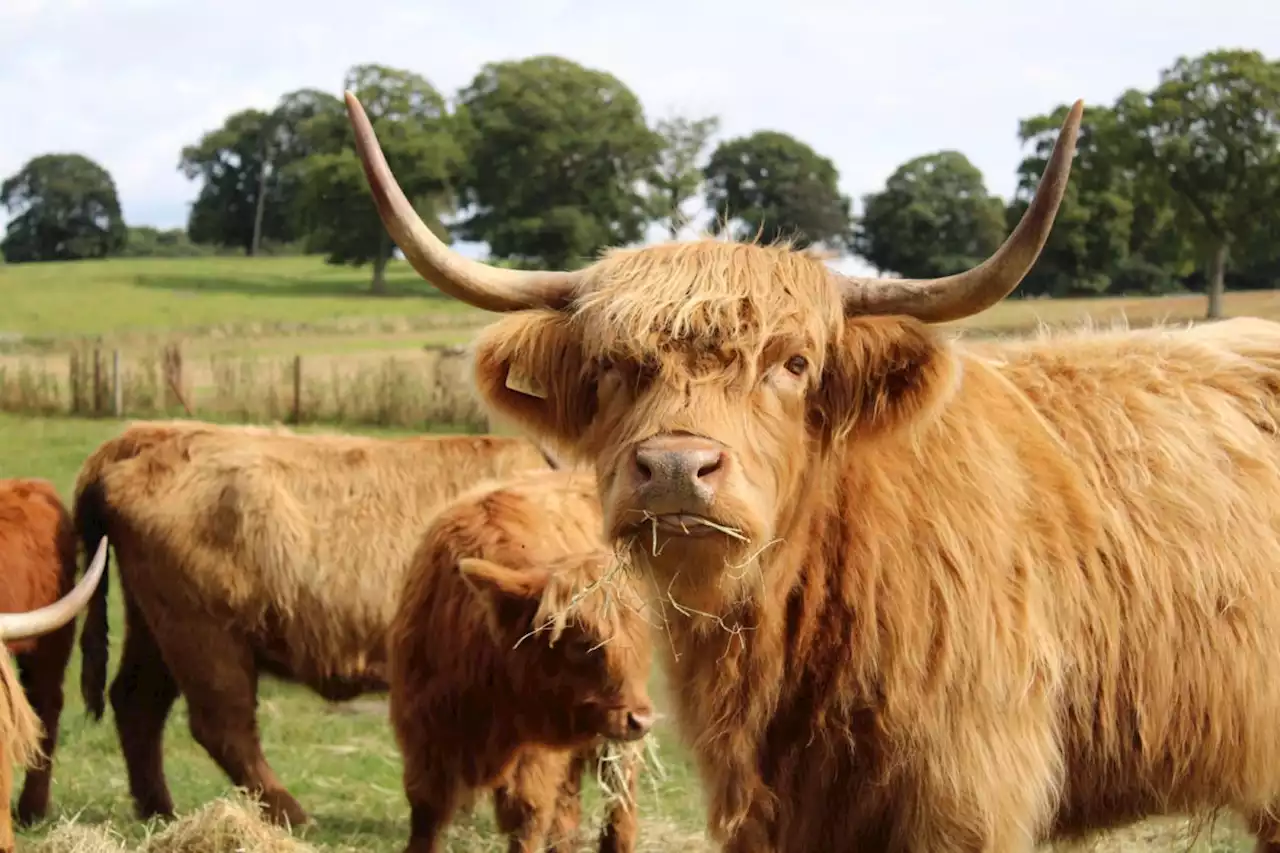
91	522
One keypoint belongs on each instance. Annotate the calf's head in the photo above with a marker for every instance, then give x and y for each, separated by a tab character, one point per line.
709	382
576	643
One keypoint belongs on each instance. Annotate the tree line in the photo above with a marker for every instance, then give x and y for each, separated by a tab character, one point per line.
549	162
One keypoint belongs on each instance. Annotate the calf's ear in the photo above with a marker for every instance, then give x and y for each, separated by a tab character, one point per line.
882	374
529	368
510	597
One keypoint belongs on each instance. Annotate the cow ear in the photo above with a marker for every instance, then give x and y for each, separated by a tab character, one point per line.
529	368
883	374
510	597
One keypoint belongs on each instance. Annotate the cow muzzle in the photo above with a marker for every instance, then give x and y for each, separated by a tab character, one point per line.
674	480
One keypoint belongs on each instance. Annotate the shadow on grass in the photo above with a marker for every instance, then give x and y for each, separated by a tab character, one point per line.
287	286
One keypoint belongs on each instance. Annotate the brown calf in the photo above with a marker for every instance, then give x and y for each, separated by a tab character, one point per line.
500	678
38	547
23	740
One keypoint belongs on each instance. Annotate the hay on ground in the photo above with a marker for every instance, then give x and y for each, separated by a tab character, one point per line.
230	825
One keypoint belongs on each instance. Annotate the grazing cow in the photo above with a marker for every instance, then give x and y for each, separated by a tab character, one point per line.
23	737
38	564
246	550
932	596
507	671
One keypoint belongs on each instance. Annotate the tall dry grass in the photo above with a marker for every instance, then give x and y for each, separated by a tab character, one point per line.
410	388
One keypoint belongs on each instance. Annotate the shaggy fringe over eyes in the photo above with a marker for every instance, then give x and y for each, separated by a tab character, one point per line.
724	296
590	590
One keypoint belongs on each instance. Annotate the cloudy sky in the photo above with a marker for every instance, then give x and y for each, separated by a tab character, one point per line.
129	82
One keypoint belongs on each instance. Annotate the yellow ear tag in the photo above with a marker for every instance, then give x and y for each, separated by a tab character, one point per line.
523	383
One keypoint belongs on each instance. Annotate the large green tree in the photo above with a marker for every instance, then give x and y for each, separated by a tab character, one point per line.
1210	134
677	176
335	209
1115	231
63	207
246	196
933	218
774	185
555	159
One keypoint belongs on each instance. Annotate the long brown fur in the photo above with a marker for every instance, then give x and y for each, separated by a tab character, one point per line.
248	549
977	595
20	734
38	565
476	703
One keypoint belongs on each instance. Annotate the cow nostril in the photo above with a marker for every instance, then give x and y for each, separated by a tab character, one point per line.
643	472
709	467
639	722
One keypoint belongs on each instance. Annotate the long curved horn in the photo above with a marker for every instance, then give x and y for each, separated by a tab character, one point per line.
34	623
952	297
472	282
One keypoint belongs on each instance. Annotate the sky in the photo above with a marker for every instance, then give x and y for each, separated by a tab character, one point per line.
128	83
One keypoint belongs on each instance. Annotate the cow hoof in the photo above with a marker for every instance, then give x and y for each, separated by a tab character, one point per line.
280	808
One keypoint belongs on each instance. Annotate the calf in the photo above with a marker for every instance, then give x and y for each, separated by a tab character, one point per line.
20	727
38	546
513	659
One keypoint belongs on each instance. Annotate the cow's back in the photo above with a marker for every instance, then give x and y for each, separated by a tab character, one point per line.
36	543
300	540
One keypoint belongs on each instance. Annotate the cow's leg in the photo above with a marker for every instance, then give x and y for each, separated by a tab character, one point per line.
562	837
433	800
41	671
6	789
524	808
220	682
142	695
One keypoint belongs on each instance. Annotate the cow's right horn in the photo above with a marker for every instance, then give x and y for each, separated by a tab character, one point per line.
478	284
34	623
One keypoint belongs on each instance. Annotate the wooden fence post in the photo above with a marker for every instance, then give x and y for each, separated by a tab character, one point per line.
297	389
74	376
97	381
117	408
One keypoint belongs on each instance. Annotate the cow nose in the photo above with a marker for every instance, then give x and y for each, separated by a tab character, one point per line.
679	466
638	724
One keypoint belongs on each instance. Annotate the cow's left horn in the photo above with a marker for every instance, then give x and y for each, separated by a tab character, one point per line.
938	300
478	284
34	623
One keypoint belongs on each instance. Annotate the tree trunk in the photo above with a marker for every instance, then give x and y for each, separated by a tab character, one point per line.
1217	280
379	286
259	209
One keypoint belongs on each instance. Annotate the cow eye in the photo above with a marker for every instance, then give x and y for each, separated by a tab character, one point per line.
797	365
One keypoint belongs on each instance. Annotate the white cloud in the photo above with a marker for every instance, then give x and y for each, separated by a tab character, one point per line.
129	82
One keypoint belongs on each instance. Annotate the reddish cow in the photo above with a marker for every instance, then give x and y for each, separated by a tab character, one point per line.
21	732
507	672
38	565
934	595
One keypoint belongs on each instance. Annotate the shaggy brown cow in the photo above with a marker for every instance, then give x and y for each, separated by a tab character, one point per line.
25	553
506	670
247	550
935	596
38	564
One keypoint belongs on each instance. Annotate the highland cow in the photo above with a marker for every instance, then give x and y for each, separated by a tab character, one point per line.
38	565
931	595
253	550
515	659
27	554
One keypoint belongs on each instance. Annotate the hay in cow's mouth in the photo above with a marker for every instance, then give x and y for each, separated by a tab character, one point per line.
685	525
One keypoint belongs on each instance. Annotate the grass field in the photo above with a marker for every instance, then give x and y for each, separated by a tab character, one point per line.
341	761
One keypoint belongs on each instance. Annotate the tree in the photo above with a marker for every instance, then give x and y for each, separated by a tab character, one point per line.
63	207
556	154
773	184
1210	133
933	218
677	177
334	207
246	196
